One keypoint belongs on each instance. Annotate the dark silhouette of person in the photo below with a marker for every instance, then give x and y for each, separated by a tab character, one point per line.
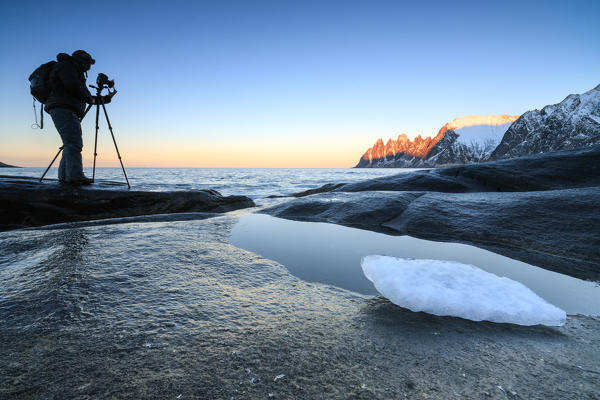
66	104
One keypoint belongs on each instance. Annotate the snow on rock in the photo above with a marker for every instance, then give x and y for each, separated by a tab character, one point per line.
490	120
485	136
449	288
574	123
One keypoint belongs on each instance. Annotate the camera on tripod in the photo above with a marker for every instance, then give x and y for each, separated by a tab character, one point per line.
103	82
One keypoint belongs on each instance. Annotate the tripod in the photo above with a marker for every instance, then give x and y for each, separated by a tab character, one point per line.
99	102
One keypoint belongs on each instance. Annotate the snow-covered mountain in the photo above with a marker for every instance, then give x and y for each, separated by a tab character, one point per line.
571	124
463	140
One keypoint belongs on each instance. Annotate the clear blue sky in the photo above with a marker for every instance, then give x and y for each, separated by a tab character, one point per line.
281	83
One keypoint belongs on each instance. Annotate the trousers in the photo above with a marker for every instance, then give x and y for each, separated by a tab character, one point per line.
68	126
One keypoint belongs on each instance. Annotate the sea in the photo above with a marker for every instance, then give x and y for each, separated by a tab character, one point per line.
256	183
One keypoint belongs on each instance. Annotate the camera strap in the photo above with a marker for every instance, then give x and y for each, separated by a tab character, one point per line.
41	124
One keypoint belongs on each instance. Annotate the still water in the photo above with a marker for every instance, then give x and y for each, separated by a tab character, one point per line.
331	254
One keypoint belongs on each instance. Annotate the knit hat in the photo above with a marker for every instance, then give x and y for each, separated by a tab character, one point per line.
84	56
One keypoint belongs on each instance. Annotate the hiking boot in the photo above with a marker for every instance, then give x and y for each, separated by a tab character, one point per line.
81	181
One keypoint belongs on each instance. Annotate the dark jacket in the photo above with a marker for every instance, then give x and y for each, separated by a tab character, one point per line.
68	85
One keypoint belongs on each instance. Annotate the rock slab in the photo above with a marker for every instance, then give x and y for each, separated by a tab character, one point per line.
25	202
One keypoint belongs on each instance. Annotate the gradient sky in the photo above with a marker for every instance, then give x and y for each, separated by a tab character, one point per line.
290	84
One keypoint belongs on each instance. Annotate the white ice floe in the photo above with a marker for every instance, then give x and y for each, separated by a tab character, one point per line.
450	288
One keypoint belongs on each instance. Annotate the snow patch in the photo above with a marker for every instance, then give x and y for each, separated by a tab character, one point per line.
482	133
449	288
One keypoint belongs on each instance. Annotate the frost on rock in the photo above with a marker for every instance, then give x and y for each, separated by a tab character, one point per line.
449	288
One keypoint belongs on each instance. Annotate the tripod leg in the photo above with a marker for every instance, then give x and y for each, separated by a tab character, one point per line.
51	162
85	113
95	140
116	147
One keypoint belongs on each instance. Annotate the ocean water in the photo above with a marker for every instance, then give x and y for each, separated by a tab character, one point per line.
255	183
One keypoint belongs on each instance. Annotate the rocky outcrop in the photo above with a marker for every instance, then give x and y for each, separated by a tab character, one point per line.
26	202
463	140
386	155
548	171
571	124
541	209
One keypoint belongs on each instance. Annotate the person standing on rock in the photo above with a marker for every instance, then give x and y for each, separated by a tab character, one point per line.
66	104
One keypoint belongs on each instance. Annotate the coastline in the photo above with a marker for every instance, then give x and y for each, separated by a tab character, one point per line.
230	334
165	306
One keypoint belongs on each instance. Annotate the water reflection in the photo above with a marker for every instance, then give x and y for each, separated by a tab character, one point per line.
331	254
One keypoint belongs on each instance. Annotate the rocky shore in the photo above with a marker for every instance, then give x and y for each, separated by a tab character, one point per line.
173	310
542	209
26	202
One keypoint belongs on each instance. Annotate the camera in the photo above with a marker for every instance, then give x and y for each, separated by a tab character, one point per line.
103	81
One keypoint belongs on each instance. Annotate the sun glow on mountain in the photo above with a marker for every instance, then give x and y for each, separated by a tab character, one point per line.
420	147
471	120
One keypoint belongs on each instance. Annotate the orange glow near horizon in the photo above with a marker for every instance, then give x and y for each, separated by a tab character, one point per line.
209	155
151	148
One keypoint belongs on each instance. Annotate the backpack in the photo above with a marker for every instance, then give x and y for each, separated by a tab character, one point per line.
40	87
40	82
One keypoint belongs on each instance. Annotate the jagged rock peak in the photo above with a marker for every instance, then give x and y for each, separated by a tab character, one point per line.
420	147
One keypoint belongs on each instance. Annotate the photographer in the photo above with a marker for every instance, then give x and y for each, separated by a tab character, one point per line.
66	104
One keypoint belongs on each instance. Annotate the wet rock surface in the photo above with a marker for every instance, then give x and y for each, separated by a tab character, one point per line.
27	202
543	209
546	171
162	310
556	230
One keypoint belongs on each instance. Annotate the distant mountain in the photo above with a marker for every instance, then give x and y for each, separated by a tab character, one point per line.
463	140
571	124
2	165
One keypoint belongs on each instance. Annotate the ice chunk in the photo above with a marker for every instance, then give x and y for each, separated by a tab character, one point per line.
460	290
